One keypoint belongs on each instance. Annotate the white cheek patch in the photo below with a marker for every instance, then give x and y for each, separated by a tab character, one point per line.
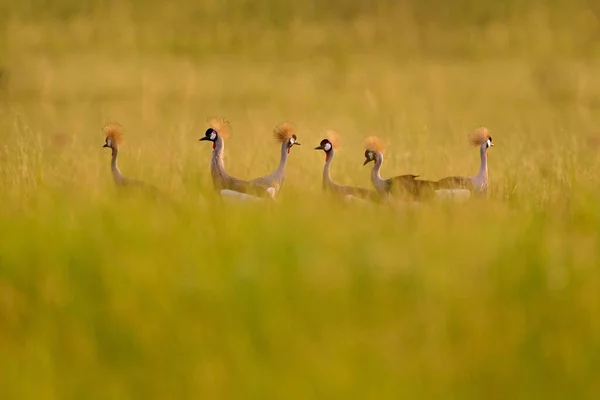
370	156
489	143
292	141
327	147
108	142
213	136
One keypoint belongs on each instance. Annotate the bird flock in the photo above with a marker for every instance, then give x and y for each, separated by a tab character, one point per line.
407	187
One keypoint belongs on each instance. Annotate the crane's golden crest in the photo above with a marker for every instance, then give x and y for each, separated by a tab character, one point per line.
283	132
334	138
114	132
479	137
221	125
373	143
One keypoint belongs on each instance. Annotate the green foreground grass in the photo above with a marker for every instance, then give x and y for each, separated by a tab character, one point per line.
108	297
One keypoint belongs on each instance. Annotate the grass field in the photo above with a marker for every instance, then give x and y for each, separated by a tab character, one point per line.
103	297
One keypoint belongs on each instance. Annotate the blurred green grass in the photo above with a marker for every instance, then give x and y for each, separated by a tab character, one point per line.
109	297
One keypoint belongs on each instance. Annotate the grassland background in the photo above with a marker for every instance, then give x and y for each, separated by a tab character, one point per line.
109	298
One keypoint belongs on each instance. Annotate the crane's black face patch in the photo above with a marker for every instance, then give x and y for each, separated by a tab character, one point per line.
211	134
369	156
327	147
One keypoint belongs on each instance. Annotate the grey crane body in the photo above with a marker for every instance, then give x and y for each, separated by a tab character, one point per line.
477	184
341	190
275	179
123	182
222	180
404	186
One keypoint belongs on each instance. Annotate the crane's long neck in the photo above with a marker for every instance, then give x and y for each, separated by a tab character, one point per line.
326	175
217	164
375	172
483	170
114	166
283	161
481	179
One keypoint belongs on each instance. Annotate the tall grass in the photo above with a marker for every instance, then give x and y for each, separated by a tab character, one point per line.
109	297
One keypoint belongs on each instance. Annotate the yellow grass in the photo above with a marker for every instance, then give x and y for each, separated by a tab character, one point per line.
114	298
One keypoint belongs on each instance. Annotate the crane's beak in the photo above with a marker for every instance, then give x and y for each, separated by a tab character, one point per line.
203	138
367	161
105	145
319	147
296	143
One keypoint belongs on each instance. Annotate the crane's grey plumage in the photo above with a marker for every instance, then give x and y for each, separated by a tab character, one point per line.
113	137
329	145
403	186
224	183
284	134
243	197
477	184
